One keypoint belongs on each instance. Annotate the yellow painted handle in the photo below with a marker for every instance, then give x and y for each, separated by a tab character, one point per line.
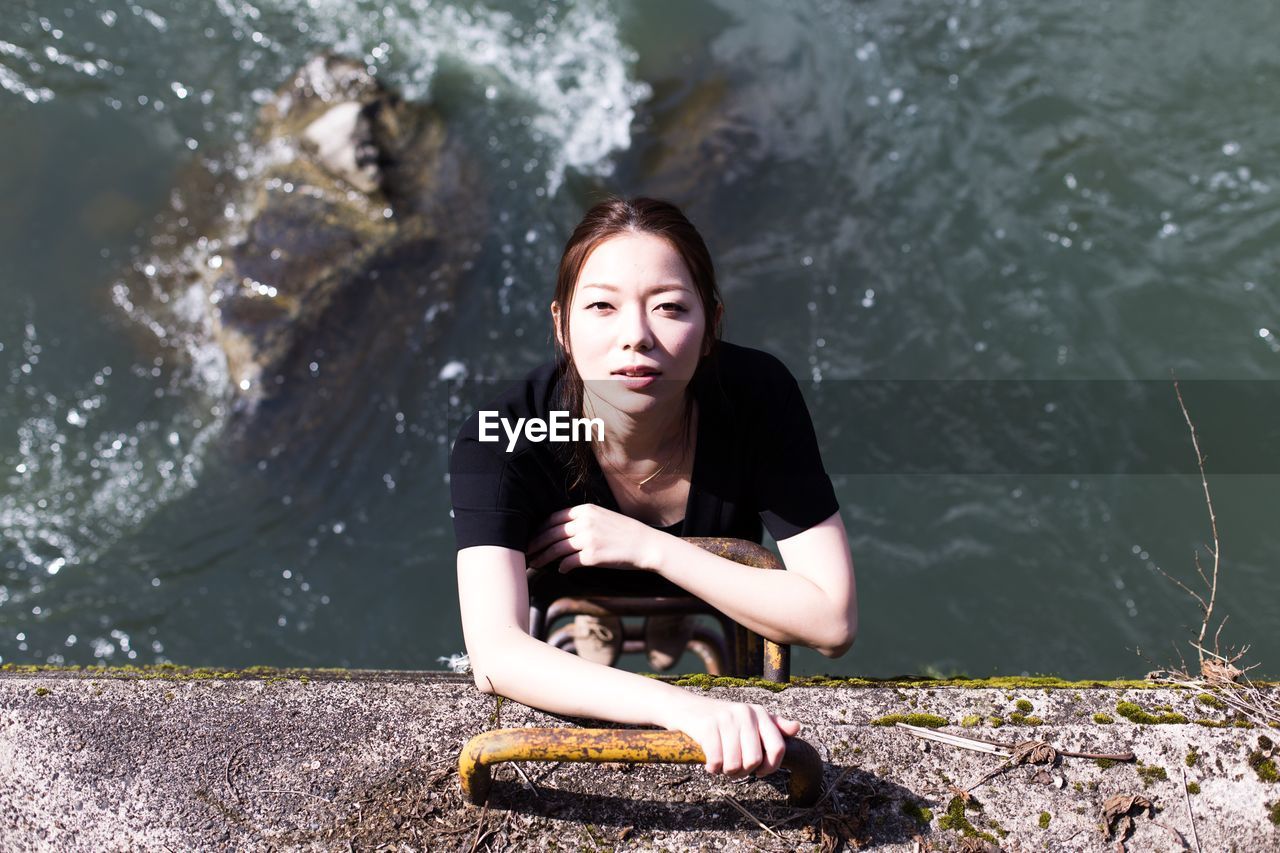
597	745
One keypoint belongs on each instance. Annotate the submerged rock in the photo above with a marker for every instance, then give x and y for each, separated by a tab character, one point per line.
357	211
704	146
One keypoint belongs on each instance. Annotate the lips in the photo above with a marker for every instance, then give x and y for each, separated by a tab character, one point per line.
637	377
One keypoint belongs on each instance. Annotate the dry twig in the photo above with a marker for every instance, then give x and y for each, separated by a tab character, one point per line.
731	801
1216	551
298	793
996	747
1219	673
231	760
812	810
484	813
528	785
1025	752
1186	796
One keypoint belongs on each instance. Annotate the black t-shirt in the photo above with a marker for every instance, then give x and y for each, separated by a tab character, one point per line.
755	459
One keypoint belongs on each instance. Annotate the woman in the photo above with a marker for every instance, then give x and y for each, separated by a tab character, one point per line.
700	438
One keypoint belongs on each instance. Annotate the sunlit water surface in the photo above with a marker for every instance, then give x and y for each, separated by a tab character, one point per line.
928	191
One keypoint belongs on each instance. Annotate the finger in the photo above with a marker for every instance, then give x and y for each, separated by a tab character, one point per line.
554	552
790	728
711	750
537	557
752	752
554	520
551	553
547	536
774	745
571	562
731	747
560	516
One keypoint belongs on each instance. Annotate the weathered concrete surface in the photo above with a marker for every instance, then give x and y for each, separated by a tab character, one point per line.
94	762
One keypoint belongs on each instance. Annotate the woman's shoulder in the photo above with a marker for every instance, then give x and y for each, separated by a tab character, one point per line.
531	397
744	372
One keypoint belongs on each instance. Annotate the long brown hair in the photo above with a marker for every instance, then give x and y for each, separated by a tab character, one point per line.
608	219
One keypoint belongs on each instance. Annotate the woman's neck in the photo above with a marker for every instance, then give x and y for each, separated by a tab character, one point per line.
647	436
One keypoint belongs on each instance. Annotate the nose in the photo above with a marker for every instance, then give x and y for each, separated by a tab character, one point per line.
635	333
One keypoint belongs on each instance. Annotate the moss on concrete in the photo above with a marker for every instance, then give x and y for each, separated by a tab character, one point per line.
1103	719
1018	719
706	682
1026	682
1133	712
1193	787
173	672
1045	817
1264	767
1024	706
1212	701
1046	683
1149	773
920	814
928	721
955	819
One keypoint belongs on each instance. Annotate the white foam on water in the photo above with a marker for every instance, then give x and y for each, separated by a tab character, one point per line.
569	70
74	486
559	81
208	360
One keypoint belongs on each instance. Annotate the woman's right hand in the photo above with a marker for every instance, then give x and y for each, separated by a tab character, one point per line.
737	738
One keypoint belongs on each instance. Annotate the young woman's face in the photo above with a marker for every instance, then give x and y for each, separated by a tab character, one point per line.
636	324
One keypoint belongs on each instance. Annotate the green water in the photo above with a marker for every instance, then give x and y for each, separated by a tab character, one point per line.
979	191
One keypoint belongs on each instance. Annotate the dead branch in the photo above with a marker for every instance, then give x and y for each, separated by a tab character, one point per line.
484	813
1186	796
742	809
1215	551
1219	673
998	747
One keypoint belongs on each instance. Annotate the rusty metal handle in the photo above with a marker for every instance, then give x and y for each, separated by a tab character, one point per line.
598	745
752	655
760	656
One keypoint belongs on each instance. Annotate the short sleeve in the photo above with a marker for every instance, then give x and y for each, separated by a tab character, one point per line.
792	489
493	503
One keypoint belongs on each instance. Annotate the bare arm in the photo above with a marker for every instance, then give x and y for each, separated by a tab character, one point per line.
494	598
814	603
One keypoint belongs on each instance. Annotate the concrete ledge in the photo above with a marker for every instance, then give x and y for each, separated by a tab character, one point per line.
348	760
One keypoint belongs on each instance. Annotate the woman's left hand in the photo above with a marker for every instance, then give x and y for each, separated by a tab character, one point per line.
590	535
